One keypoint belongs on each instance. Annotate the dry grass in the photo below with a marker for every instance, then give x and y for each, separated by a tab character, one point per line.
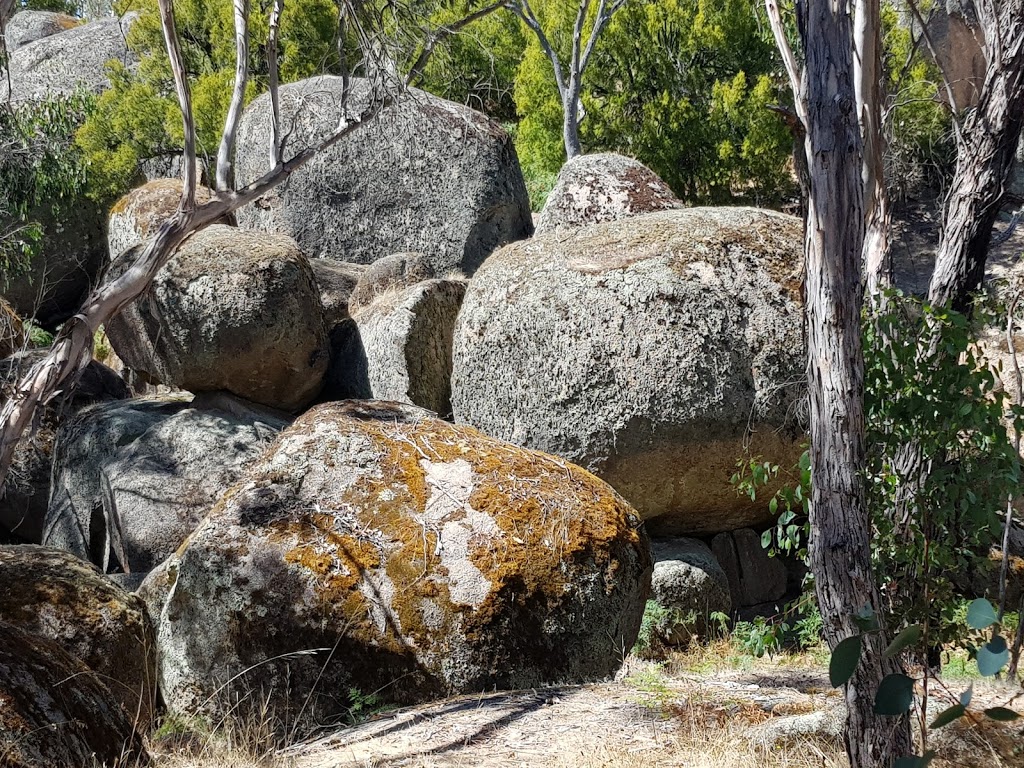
708	707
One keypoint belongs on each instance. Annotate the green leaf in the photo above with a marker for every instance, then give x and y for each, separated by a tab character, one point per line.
1002	714
766	539
865	619
991	659
915	762
805	461
981	614
904	639
844	661
966	696
895	695
947	716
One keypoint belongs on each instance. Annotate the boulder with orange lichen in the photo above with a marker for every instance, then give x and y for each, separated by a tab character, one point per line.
379	549
653	351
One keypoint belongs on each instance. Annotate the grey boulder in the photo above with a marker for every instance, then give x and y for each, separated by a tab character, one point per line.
377	548
56	711
133	479
138	214
60	64
754	577
336	280
654	351
26	489
232	310
603	187
28	26
58	596
425	175
690	585
399	347
387	275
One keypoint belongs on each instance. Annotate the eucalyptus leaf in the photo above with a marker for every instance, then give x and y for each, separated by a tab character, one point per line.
981	614
947	716
895	695
990	662
908	637
966	696
1002	714
844	661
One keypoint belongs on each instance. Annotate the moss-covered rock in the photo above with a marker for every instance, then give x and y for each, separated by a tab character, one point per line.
138	214
57	596
375	548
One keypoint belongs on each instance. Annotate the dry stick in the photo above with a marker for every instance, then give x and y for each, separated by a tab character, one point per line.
442	33
1004	568
276	142
793	71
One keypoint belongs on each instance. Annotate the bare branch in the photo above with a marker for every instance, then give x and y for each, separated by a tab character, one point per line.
188	194
226	151
604	15
788	59
276	140
442	33
930	44
523	10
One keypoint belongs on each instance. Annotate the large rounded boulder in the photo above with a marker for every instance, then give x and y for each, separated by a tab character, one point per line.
28	26
604	187
232	310
60	64
138	214
55	711
398	347
132	479
56	595
654	351
425	175
377	548
689	585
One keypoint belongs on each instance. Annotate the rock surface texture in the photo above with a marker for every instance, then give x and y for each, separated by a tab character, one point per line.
754	577
138	214
399	347
691	585
55	711
133	479
389	275
605	187
26	490
56	595
26	27
426	175
653	351
61	63
378	548
232	310
336	281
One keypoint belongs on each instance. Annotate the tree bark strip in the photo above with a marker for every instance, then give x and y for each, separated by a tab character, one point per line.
840	523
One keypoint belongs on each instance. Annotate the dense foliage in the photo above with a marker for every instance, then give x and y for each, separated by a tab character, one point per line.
682	85
138	117
40	173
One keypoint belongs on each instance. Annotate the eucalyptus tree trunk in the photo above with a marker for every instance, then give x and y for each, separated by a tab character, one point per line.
840	523
986	144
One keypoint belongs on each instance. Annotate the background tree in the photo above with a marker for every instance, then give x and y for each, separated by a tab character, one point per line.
683	85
